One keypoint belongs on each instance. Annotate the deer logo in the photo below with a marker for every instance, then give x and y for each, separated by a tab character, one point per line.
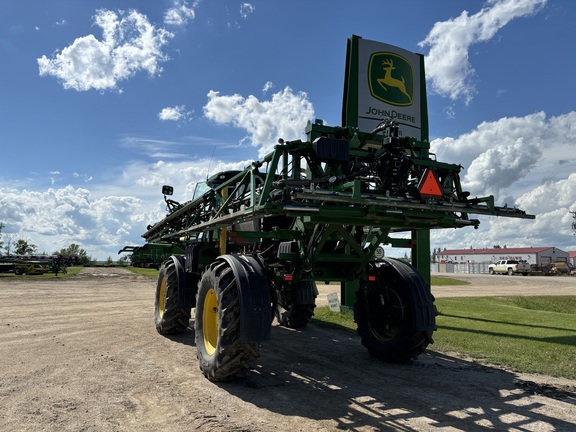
390	81
396	87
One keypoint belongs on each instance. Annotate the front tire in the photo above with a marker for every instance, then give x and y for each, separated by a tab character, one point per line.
168	316
384	314
222	354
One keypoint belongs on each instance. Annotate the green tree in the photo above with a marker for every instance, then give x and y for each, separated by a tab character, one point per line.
2	225
22	247
9	244
75	250
407	258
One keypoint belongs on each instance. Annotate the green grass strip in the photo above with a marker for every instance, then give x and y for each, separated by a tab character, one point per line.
525	334
148	272
444	281
535	335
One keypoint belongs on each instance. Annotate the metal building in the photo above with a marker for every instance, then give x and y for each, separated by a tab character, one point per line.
534	255
572	255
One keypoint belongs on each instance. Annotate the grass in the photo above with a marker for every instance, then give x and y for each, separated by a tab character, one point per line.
148	272
324	317
525	334
444	281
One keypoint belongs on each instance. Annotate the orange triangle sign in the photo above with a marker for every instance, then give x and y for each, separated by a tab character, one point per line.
429	186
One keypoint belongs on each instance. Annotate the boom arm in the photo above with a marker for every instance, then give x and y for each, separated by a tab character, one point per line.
339	175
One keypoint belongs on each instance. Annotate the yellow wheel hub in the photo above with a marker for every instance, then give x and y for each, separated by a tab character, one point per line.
162	298
210	321
383	334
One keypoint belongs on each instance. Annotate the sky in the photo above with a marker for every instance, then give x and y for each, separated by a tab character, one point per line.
102	102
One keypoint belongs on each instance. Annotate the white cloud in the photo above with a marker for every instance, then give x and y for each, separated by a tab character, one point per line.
183	176
63	216
183	149
246	9
130	43
513	154
526	162
151	147
175	113
447	64
284	116
86	178
102	218
551	203
180	13
268	86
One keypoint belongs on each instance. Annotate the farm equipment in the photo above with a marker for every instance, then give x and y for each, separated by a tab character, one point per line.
151	255
255	241
29	265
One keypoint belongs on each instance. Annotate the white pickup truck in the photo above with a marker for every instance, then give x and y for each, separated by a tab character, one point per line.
509	267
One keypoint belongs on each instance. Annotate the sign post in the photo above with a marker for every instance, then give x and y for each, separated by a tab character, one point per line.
387	82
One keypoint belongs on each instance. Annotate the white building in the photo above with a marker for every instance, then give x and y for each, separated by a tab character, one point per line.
538	256
572	255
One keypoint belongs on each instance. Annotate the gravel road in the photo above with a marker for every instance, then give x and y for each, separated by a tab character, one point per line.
82	354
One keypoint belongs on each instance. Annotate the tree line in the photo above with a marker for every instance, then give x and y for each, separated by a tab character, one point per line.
24	247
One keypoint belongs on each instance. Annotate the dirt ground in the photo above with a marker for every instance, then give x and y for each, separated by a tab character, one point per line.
82	354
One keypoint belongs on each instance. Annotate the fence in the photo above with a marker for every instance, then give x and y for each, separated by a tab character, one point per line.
476	268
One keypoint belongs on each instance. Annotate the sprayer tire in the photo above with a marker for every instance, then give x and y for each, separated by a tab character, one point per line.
388	331
295	315
168	316
221	353
289	313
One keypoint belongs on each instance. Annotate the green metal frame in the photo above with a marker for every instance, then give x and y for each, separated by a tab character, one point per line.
330	209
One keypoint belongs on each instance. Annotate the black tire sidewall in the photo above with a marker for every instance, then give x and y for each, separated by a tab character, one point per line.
402	338
407	343
175	318
232	357
157	318
207	361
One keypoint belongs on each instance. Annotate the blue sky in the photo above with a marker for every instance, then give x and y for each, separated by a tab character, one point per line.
102	102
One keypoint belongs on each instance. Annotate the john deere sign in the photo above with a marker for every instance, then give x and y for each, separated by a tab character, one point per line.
391	79
384	81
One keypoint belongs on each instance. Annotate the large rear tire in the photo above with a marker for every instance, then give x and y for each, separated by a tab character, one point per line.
169	317
384	314
222	354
